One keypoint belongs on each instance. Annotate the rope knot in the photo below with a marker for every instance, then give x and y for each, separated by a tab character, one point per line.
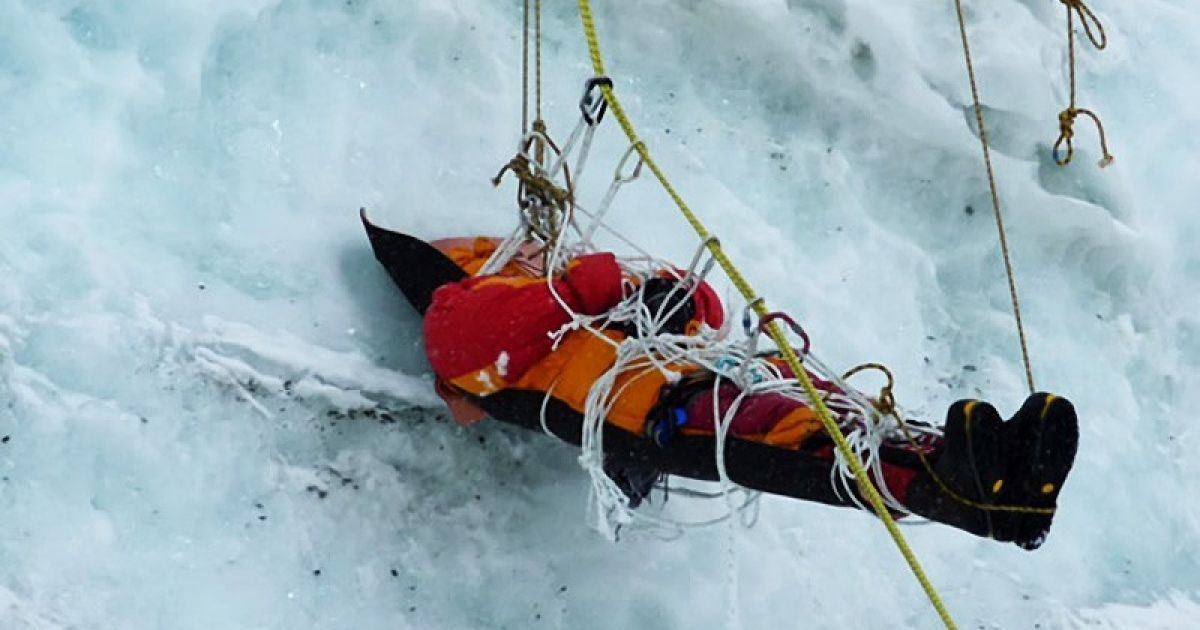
1066	123
543	204
1066	118
886	402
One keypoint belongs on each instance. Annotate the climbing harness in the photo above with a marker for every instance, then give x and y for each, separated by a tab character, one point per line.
1066	118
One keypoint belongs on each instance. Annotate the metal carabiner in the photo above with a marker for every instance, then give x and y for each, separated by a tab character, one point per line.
620	178
796	328
712	241
593	104
747	311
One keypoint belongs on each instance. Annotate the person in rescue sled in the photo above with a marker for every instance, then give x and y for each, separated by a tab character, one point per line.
488	339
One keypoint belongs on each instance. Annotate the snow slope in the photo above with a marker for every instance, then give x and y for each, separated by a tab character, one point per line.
214	407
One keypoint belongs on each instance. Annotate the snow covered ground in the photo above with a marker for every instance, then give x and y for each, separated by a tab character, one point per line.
214	407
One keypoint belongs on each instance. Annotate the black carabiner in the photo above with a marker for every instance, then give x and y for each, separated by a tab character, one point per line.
593	105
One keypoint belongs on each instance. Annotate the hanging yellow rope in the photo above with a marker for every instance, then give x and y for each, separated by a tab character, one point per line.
991	175
866	487
1066	118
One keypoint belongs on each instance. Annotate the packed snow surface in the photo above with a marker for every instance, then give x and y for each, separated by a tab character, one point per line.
215	410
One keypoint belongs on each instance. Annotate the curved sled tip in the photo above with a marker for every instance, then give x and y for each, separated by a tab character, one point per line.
416	267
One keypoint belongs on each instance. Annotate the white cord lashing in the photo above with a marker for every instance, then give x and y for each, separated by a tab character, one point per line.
649	350
734	361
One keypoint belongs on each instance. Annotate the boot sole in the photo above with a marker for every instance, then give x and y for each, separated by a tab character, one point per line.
1047	438
981	440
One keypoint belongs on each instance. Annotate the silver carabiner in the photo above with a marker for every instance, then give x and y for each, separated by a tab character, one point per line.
637	170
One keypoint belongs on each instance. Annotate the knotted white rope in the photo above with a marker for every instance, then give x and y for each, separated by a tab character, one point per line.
650	350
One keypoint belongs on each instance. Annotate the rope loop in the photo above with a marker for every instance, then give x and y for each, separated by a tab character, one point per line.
1088	18
886	403
1066	133
593	104
1066	118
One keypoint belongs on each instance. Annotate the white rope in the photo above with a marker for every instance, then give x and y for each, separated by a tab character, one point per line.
542	411
646	351
733	615
649	350
735	361
504	252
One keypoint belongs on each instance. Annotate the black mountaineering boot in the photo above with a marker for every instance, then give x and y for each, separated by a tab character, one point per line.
972	466
1041	441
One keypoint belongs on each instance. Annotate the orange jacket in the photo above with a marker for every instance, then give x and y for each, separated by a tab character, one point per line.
488	333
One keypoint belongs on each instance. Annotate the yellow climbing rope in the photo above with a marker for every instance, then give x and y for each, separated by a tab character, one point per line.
866	487
1066	118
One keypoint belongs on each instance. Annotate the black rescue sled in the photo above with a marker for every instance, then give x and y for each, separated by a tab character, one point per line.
419	268
1040	440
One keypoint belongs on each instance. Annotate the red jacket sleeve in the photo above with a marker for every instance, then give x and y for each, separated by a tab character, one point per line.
485	332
